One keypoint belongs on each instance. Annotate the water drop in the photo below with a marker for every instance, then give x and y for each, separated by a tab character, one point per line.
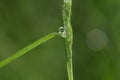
62	32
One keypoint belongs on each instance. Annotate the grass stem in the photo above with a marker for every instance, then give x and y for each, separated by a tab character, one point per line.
67	5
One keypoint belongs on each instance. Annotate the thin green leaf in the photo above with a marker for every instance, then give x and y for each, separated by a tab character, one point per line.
27	49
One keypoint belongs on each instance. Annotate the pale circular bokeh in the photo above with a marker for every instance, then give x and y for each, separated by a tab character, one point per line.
97	39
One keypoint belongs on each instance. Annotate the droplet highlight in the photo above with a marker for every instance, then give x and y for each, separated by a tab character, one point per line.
62	32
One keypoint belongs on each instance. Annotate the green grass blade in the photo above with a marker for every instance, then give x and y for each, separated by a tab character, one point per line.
67	5
27	49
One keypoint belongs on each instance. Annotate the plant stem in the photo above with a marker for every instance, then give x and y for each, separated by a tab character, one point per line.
67	5
27	49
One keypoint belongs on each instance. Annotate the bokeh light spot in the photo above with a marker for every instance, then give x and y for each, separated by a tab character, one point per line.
97	39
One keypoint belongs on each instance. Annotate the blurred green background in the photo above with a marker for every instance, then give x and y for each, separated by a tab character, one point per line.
96	48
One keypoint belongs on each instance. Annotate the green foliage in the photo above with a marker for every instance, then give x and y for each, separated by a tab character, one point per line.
65	32
24	21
